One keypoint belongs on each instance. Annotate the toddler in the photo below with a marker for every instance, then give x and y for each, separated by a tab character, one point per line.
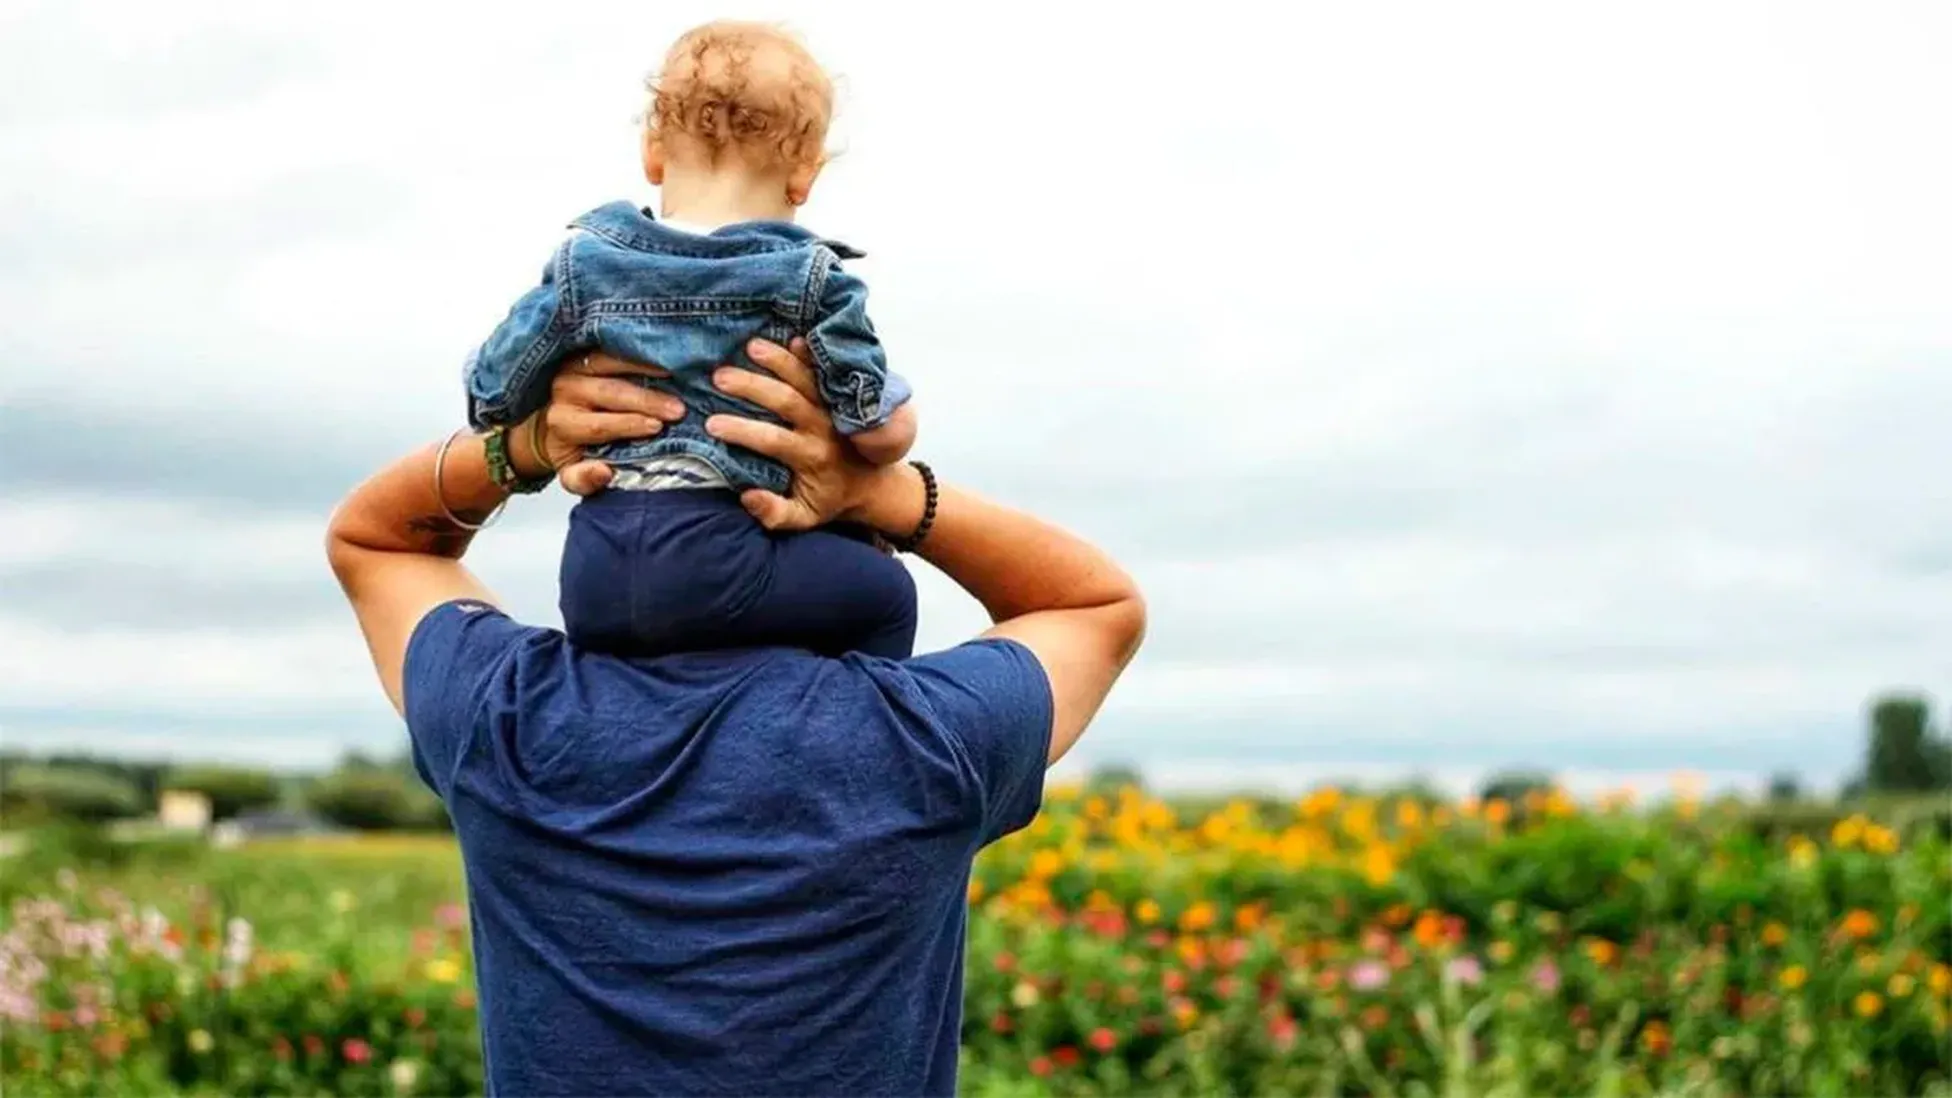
665	559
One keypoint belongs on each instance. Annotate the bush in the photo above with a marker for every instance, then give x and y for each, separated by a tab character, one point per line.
231	789
376	800
63	793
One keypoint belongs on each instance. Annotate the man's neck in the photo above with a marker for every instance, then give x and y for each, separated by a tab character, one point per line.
713	199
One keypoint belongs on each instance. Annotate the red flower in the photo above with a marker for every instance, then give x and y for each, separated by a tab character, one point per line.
1270	986
1174	981
1226	987
1104	1040
1066	1056
1581	1014
1001	1023
313	1044
356	1051
281	1048
415	1017
1040	1066
54	1021
1006	961
1158	939
1233	952
1282	1030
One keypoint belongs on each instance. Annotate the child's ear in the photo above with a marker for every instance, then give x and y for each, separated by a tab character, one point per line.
800	184
653	159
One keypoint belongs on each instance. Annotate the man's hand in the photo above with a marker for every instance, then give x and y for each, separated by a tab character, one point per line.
592	402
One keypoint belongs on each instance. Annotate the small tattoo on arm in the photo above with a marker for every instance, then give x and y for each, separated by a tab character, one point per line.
441	536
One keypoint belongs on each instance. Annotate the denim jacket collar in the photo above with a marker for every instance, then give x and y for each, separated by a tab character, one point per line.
631	227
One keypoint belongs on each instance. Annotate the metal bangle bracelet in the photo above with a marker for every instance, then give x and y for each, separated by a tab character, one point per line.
440	494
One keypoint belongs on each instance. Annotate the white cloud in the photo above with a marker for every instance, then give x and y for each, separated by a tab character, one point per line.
1534	365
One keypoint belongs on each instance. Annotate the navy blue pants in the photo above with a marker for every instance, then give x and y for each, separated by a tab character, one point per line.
646	573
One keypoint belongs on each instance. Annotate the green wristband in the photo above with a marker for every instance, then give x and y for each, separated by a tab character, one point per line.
502	470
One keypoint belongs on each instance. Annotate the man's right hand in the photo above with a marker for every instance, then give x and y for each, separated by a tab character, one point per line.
592	402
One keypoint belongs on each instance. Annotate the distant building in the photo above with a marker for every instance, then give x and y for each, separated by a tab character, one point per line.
183	810
267	823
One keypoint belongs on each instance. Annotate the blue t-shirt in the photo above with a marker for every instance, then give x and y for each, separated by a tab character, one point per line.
739	872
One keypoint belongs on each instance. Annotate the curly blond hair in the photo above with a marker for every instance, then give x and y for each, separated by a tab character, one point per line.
749	90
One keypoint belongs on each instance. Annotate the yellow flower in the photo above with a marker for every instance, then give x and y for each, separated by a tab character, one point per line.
1880	840
1867	1004
1046	864
1602	951
1940	980
1320	803
1774	934
1859	924
1901	986
443	970
1802	852
1197	918
200	1041
1025	995
1185	1013
1378	865
1847	832
1147	911
1095	808
975	890
1409	814
1502	952
1793	977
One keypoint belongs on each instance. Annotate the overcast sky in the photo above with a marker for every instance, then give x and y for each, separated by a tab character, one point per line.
1467	384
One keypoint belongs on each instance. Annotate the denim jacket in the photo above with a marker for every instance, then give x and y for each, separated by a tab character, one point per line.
624	284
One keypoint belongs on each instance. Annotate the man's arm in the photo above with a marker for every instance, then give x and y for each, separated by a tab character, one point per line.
396	552
1063	599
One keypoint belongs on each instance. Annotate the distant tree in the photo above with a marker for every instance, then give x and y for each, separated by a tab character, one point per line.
1115	775
375	800
1511	786
1785	787
231	789
68	793
1901	755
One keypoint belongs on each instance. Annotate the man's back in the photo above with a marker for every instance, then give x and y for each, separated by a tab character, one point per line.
737	872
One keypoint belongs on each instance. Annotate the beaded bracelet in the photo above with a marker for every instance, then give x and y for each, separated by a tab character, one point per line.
930	497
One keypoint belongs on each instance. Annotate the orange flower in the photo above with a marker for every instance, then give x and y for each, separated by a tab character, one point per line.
1397	915
975	890
1147	911
1185	1013
1248	919
1774	934
1429	931
1197	918
1496	811
1655	1038
1859	924
1940	979
1868	1004
1602	951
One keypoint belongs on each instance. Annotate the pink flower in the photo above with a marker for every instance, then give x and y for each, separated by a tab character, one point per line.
1368	975
1545	977
356	1051
1465	970
450	916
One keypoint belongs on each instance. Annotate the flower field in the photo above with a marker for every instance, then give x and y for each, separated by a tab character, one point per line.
1121	944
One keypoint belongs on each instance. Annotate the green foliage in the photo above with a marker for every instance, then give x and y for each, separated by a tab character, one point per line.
231	789
1785	787
1511	786
376	800
37	792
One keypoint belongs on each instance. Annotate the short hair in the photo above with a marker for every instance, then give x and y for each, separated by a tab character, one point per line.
751	89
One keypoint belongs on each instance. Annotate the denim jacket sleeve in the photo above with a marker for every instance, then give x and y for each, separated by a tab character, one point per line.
854	379
507	377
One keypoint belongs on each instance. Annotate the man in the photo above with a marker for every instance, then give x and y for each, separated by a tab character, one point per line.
737	872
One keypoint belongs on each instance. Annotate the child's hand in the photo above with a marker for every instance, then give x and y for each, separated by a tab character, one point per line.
890	442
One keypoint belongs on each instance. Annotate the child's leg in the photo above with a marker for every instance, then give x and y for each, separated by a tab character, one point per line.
650	572
833	594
